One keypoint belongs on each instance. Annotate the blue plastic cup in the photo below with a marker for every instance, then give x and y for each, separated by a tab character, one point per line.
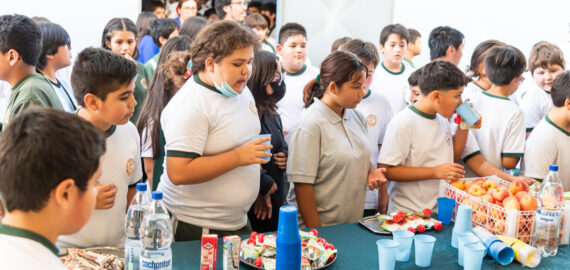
288	240
423	249
387	250
462	240
267	143
405	238
473	256
445	209
467	113
463	223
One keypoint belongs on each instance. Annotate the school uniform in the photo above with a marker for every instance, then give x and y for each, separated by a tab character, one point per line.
332	154
408	62
5	92
147	49
121	166
23	249
268	46
535	104
141	84
471	89
152	64
416	139
393	85
64	93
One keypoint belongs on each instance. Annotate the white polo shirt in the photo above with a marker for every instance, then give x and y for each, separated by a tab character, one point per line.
121	166
470	89
23	249
200	121
416	139
535	104
394	86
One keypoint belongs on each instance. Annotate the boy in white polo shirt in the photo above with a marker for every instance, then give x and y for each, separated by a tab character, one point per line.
49	164
418	149
103	83
549	142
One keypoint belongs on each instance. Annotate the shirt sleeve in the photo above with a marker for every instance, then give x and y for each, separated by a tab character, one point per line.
513	145
396	146
538	156
304	155
471	147
146	143
530	110
384	124
185	130
137	171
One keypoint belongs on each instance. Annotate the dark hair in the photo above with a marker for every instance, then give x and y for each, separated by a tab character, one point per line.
42	147
269	6
414	79
118	24
503	64
167	79
162	28
144	21
192	26
545	54
338	67
255	4
413	35
339	42
364	50
53	36
219	40
291	29
560	91
442	76
153	5
20	33
397	29
209	13
256	20
263	71
220	4
441	38
100	72
181	2
479	54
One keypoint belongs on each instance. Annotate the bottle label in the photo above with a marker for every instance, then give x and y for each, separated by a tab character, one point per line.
158	260
132	252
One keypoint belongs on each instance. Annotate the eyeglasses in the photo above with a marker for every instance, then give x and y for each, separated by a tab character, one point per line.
239	3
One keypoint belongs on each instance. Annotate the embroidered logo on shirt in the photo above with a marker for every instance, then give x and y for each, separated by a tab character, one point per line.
371	120
143	83
252	108
130	166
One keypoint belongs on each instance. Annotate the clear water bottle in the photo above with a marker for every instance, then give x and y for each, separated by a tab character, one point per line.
133	222
548	215
156	237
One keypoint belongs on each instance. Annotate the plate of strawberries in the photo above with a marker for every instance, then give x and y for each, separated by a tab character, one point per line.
415	222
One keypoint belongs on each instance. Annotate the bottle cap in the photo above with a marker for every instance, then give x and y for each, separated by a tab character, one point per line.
157	195
554	167
141	187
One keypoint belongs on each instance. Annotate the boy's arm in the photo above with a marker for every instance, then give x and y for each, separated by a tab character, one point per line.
130	195
448	171
459	140
383	198
307	203
510	162
149	169
481	167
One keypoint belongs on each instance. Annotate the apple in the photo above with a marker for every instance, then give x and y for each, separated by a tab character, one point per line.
528	202
480	181
468	184
499	204
487	197
480	218
489	184
503	187
496	212
520	194
458	184
500	194
518	185
476	191
499	227
512	204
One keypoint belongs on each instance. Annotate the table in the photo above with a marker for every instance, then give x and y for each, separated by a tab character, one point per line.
357	250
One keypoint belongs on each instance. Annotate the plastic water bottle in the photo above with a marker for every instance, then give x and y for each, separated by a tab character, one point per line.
156	237
133	222
547	219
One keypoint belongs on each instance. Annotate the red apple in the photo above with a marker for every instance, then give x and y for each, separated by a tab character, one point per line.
476	191
499	226
488	198
518	185
512	204
480	181
489	184
468	184
500	194
520	194
458	184
528	202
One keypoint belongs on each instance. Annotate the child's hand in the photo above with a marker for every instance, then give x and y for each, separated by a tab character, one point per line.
449	171
376	178
280	159
272	190
105	196
253	151
528	180
262	207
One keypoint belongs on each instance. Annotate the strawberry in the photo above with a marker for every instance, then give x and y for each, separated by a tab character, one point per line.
250	241
258	262
303	243
274	235
457	119
390	222
411	229
427	212
437	226
260	237
401	213
322	241
397	218
253	235
329	246
421	228
331	258
314	232
403	222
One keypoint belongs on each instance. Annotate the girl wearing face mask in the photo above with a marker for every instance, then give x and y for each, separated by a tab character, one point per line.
268	87
211	175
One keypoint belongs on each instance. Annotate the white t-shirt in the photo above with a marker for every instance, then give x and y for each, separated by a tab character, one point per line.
5	92
200	121
376	110
527	84
23	249
470	89
394	86
502	132
146	142
416	139
548	144
268	45
535	104
121	166
292	104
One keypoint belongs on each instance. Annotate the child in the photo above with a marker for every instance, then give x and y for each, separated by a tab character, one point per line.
480	81
418	148
546	61
161	30
49	166
392	79
414	46
414	83
339	42
18	60
259	26
119	37
501	136
103	83
156	7
146	48
192	27
446	43
212	165
56	54
269	10
233	10
376	110
549	142
292	48
186	9
253	7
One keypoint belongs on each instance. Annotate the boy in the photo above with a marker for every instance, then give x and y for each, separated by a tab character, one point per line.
103	83
549	142
18	60
391	79
501	136
269	10
418	148
253	7
259	25
156	7
446	43
49	165
161	30
546	61
415	91
414	46
292	48
231	10
339	42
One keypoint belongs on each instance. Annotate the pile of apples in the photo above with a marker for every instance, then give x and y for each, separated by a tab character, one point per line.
515	196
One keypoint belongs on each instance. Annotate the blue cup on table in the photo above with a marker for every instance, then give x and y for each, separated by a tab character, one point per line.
288	240
424	249
405	238
387	250
445	209
467	113
463	223
463	240
473	256
266	143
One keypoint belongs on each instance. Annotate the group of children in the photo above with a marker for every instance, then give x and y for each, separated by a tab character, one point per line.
358	135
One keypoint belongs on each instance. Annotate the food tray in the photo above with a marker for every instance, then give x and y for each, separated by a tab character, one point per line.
371	223
259	268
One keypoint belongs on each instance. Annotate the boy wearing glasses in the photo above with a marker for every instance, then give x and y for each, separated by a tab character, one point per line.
234	10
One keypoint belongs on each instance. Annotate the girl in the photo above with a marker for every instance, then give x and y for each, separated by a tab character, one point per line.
212	165
168	78
119	36
329	161
477	69
192	26
267	88
146	47
186	9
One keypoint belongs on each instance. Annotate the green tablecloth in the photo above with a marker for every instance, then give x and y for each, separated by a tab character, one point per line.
357	250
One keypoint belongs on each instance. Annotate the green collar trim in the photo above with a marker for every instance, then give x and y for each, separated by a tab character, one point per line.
420	113
367	94
408	61
36	75
13	231
475	83
298	72
200	82
271	46
110	131
394	73
493	96
556	126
